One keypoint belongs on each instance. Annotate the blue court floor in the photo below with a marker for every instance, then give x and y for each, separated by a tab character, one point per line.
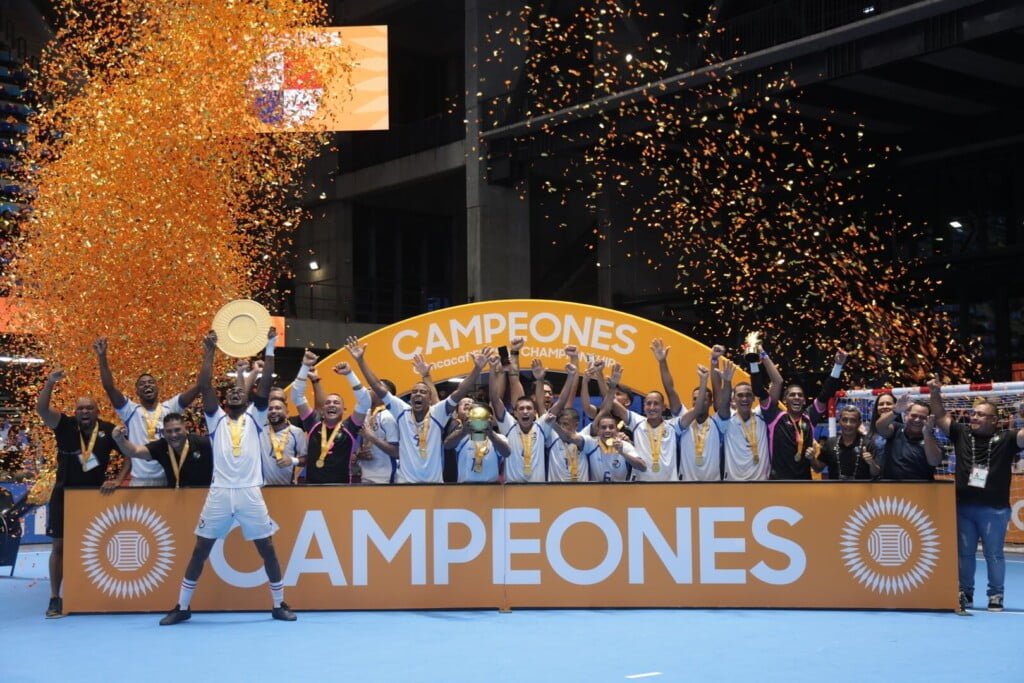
560	646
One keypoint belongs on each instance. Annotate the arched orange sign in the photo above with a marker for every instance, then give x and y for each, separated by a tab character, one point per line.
448	337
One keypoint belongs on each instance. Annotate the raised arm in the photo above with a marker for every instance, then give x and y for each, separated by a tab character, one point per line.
932	449
267	379
244	379
319	393
495	388
358	352
568	390
591	373
571	437
363	401
422	368
717	351
884	426
469	383
515	382
43	408
942	420
660	352
614	379
205	379
775	388
829	387
539	373
106	377
702	398
127	447
723	399
309	359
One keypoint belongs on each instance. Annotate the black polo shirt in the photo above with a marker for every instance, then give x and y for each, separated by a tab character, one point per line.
69	439
996	452
339	452
846	462
196	470
905	458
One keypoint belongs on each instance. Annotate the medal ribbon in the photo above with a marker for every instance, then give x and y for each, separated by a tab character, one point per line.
235	428
87	451
798	429
424	431
279	444
152	420
751	434
656	447
527	440
326	449
700	434
177	464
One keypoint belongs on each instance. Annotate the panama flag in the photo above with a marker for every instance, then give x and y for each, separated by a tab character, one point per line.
323	79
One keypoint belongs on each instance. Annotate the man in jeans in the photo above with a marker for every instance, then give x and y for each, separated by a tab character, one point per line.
984	457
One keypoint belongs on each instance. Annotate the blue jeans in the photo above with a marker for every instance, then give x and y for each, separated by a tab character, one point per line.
973	522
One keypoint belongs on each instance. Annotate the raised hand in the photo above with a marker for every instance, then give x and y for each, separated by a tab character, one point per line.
241	367
929	423
659	349
616	375
355	348
210	341
495	362
309	359
272	333
571	369
728	370
56	375
537	368
717	351
342	369
702	375
480	358
573	354
841	357
420	366
903	403
100	346
258	366
517	344
934	383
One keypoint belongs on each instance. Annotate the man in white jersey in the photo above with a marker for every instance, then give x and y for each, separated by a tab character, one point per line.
612	457
527	434
478	460
744	431
654	437
378	448
284	445
420	424
568	461
699	438
235	494
144	421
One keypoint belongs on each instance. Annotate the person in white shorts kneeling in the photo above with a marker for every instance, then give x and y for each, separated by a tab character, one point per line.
237	477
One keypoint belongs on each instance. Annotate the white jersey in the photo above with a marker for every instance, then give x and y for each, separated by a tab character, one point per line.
379	469
611	465
292	442
415	464
708	467
242	468
515	464
144	426
561	456
740	463
647	439
465	454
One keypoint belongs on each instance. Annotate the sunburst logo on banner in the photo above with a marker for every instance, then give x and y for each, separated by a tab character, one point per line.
890	545
128	550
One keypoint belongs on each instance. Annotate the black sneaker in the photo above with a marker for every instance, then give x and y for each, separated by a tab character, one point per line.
55	610
283	613
176	616
995	603
966	602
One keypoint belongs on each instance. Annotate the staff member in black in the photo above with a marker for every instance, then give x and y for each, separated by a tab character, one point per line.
84	446
850	455
187	459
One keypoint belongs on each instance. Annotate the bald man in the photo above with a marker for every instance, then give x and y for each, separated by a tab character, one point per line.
84	447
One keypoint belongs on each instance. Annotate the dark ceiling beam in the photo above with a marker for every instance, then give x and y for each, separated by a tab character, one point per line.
744	64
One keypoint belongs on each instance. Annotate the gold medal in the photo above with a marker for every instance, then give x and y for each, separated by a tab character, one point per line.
319	463
656	446
527	440
325	450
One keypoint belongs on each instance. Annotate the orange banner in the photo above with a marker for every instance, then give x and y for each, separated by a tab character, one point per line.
804	545
447	338
324	79
1015	531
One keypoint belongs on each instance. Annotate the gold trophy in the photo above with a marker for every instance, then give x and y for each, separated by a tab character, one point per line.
479	421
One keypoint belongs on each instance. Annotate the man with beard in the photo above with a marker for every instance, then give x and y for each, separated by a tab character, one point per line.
378	450
284	445
984	460
850	455
911	451
654	437
84	446
745	431
186	459
143	421
331	439
235	494
527	434
699	438
420	424
791	432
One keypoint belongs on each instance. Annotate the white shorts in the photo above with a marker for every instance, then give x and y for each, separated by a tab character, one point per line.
225	506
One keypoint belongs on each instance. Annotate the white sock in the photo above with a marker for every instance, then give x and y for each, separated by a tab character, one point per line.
185	595
277	593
